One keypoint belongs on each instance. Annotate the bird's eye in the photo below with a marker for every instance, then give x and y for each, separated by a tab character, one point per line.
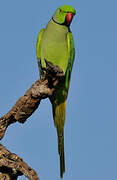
60	10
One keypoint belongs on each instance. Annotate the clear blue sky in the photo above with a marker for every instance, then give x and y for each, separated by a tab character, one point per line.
91	122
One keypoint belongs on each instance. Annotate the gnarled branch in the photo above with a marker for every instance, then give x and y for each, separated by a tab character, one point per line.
28	103
12	166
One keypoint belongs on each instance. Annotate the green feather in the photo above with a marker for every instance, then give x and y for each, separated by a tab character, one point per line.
38	45
71	51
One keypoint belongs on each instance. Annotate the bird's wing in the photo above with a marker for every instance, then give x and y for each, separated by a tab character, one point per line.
38	48
38	45
71	55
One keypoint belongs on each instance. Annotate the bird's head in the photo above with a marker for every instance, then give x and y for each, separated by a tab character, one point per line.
64	15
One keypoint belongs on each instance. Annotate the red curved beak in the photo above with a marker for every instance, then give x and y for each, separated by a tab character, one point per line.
69	17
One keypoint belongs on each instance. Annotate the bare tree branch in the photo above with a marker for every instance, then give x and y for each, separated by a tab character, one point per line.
28	103
12	166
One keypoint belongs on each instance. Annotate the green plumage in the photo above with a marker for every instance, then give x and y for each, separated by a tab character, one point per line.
55	44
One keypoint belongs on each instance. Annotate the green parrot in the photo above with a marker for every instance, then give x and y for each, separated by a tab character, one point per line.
55	44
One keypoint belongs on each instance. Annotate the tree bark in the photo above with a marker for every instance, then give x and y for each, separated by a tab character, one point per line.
12	166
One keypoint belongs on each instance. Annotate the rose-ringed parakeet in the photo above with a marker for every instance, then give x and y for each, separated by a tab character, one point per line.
55	44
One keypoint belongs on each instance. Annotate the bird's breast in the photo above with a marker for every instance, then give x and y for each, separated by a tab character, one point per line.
54	48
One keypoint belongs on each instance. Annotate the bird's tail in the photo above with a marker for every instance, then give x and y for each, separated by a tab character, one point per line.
61	153
59	120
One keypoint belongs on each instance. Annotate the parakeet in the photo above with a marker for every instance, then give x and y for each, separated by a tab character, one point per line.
55	44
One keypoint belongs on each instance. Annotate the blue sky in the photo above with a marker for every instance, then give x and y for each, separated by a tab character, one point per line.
91	122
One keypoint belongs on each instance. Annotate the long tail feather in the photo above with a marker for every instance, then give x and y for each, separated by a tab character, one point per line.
59	120
61	154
